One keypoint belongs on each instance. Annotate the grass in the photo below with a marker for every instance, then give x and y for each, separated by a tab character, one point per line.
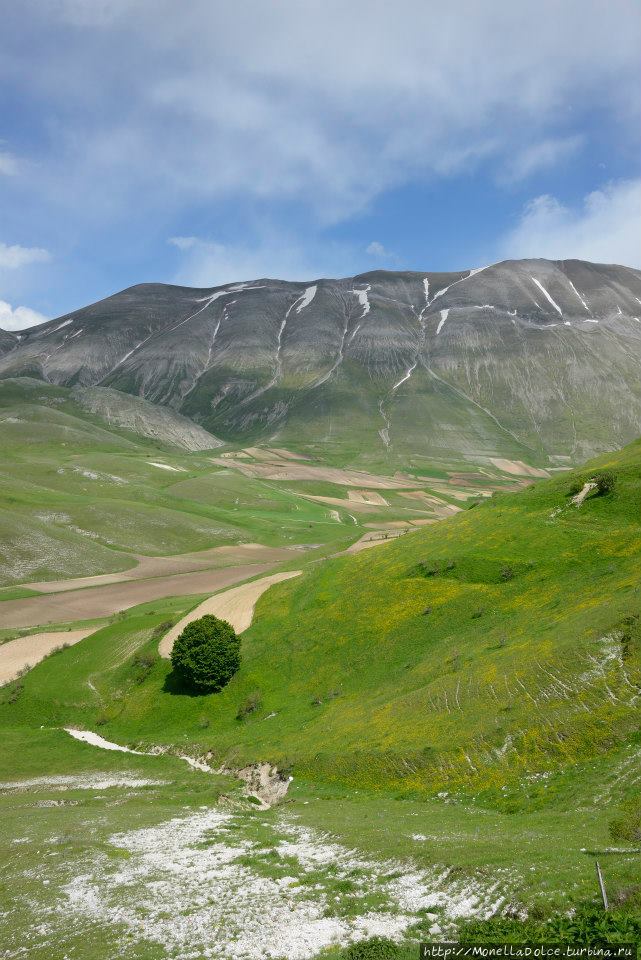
50	835
17	593
470	656
504	719
465	698
66	474
423	666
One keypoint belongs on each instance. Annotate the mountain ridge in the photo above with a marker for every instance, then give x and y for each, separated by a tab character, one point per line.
533	358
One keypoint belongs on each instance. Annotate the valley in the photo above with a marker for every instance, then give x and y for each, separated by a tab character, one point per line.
320	480
440	617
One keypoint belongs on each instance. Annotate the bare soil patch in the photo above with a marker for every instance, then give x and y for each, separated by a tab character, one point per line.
24	652
517	468
149	567
374	539
440	508
304	471
367	496
354	506
102	601
236	606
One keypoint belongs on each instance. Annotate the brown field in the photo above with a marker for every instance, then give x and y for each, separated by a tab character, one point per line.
25	652
279	470
102	601
353	506
368	496
235	605
375	539
517	468
151	567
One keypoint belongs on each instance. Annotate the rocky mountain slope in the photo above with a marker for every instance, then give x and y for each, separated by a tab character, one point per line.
143	418
534	359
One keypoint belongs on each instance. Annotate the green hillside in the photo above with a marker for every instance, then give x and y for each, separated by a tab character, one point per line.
479	653
464	701
80	496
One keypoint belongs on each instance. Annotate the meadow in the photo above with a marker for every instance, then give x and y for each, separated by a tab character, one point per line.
458	708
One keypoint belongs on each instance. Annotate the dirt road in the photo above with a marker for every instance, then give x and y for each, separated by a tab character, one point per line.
236	606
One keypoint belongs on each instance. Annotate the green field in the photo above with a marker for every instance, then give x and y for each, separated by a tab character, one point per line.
79	497
495	646
463	702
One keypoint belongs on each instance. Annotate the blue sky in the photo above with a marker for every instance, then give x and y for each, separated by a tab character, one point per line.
204	141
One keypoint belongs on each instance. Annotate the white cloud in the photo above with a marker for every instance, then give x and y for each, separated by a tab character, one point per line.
14	256
18	318
207	263
606	228
8	164
541	156
378	251
183	243
325	104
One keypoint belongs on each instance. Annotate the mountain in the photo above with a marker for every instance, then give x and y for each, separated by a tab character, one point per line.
144	418
533	359
8	341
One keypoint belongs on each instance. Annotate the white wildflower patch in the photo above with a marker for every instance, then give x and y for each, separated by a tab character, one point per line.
216	885
97	475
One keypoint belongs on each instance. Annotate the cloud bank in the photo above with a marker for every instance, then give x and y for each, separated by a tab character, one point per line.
606	228
13	257
18	318
328	104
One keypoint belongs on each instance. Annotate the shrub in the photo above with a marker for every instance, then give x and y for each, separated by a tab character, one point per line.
627	826
162	629
575	487
142	668
605	482
250	705
376	948
206	655
285	768
15	691
588	924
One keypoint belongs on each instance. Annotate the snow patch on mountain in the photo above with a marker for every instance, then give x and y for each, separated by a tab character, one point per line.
547	295
444	315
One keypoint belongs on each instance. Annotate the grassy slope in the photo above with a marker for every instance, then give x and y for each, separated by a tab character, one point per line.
369	760
64	478
501	679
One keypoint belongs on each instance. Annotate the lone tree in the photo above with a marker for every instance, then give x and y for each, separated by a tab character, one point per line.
206	655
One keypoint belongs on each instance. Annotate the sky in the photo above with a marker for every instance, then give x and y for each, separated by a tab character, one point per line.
202	142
